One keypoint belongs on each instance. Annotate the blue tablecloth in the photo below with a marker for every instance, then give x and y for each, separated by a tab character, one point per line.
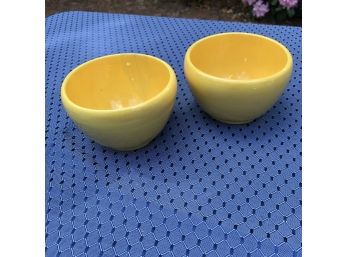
201	188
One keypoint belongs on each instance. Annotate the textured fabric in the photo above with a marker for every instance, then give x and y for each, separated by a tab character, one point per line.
201	188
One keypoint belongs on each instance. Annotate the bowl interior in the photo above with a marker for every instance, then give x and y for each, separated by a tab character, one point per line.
238	56
116	81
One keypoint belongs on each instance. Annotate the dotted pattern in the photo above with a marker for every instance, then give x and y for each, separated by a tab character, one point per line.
201	188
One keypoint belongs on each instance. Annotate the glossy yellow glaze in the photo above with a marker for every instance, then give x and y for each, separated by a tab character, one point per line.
236	77
121	101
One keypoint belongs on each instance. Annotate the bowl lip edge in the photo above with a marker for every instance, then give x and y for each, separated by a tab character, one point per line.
287	66
171	82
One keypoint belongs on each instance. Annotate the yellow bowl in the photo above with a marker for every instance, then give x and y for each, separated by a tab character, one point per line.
236	77
121	101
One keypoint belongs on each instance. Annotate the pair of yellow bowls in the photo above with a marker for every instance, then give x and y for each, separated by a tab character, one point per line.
123	101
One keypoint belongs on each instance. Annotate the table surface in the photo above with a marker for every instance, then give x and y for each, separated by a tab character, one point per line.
201	188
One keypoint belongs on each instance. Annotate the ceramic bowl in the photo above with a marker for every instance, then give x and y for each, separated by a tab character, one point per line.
236	77
121	101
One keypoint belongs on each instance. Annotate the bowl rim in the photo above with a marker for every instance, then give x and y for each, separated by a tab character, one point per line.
171	82
287	66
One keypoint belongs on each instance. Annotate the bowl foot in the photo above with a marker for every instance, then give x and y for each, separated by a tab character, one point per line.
234	122
132	148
